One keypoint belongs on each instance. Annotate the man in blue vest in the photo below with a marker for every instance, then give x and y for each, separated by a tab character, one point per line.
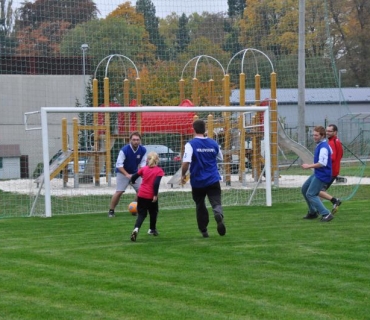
201	155
322	175
130	158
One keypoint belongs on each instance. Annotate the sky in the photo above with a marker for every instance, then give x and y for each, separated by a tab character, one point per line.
163	7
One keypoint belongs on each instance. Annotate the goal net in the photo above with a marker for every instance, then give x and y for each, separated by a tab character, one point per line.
83	179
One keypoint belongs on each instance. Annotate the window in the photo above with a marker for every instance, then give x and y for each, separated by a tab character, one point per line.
1	163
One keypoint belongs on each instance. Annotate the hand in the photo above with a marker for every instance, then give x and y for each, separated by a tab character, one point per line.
155	199
183	180
305	166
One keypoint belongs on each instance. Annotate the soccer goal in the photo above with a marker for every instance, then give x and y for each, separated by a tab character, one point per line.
78	170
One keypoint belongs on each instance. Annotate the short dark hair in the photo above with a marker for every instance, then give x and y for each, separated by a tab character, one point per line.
335	128
199	126
136	133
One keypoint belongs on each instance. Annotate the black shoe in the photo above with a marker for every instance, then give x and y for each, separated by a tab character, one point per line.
327	218
336	205
134	234
221	229
311	216
204	234
111	214
153	232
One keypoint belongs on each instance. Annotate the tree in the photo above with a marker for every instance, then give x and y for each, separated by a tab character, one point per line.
127	12
207	25
7	39
273	26
109	36
351	37
43	41
236	7
231	43
182	34
168	28
147	9
71	11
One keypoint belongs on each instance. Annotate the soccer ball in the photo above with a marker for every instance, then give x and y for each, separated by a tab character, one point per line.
132	208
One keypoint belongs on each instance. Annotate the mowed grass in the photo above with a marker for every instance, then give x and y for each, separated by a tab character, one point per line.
271	264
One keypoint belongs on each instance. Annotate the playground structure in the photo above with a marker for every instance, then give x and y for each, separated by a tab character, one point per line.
233	133
145	122
241	138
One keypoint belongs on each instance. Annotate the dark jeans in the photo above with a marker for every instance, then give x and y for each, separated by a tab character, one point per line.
213	192
143	207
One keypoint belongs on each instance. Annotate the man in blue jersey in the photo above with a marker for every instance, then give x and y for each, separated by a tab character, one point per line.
322	175
130	158
201	155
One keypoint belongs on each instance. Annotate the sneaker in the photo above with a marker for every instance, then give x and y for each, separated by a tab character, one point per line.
336	205
204	234
311	216
111	214
221	229
327	218
134	234
153	232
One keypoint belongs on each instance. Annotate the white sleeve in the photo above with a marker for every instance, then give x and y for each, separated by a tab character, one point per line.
143	161
188	153
220	157
323	157
120	159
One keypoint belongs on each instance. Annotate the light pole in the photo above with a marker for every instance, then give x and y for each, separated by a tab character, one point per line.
84	48
340	84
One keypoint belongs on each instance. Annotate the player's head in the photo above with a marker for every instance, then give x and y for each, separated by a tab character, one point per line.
331	130
199	126
318	133
135	139
152	159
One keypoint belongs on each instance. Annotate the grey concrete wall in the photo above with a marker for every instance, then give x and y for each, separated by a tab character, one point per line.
26	93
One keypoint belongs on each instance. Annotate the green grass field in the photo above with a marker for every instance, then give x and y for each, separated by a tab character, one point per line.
271	264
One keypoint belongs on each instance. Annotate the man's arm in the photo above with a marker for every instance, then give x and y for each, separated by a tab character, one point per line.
323	160
184	169
186	162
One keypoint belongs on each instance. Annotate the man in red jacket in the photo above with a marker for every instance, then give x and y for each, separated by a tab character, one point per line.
336	157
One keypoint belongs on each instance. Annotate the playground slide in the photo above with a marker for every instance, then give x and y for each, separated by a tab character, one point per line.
176	178
57	165
286	142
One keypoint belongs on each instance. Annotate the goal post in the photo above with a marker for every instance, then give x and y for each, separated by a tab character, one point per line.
169	122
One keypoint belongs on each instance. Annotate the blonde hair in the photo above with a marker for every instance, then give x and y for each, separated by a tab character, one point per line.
152	159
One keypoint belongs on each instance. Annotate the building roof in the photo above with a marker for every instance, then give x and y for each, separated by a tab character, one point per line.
9	150
312	95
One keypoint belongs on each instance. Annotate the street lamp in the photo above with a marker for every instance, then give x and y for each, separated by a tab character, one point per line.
340	84
84	48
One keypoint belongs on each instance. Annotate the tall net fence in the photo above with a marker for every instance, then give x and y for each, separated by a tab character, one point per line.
166	53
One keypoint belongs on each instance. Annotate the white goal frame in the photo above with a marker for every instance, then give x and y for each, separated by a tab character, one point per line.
44	128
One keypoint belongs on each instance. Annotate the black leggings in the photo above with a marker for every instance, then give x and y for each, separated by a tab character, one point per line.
143	207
